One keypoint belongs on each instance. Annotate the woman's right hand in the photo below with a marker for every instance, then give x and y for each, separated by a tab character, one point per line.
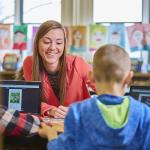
59	112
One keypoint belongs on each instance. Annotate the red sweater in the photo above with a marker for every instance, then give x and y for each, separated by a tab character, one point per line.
77	81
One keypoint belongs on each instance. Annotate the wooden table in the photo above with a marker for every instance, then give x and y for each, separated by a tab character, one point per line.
57	124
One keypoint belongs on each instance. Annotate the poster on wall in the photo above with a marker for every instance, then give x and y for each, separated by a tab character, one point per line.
98	36
78	40
20	37
116	34
5	41
67	32
136	37
34	30
146	28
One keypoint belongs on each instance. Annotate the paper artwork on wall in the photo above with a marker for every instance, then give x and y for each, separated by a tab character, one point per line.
5	41
67	33
146	28
98	36
78	40
136	37
116	34
34	30
20	37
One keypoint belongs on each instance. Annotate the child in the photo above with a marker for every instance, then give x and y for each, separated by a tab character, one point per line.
108	121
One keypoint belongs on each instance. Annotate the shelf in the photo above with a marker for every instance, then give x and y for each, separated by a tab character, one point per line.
7	75
141	79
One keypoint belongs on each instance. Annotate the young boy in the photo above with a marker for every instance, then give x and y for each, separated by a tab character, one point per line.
108	121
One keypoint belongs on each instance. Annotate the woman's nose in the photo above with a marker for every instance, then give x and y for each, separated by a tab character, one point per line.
53	45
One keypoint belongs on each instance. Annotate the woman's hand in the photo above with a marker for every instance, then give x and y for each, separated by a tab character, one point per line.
59	112
46	131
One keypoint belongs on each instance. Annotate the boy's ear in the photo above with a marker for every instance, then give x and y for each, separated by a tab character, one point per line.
128	78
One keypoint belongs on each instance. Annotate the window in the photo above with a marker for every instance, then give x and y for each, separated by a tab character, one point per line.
38	11
117	10
7	11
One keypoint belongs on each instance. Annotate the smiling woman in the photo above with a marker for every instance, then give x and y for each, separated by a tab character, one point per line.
59	72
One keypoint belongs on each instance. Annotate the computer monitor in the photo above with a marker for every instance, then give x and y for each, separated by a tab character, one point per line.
141	93
21	95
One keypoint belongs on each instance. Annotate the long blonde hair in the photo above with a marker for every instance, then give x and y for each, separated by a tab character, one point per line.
38	67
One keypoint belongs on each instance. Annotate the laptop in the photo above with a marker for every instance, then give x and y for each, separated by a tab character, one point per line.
21	95
141	93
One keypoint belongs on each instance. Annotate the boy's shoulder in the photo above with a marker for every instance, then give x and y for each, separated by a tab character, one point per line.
140	109
86	106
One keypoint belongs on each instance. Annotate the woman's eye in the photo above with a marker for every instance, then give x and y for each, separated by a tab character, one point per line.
46	42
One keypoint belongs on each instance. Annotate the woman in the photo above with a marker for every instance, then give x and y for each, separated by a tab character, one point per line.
64	77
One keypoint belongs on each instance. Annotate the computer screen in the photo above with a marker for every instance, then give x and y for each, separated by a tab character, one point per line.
141	93
21	95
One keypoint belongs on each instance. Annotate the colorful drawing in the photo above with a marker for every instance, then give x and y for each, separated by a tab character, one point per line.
20	37
116	34
146	28
67	38
34	30
98	36
136	37
5	36
78	39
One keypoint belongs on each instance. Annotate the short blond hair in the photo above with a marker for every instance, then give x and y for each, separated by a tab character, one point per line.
110	63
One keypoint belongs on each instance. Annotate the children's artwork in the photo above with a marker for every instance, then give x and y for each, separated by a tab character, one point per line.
116	34
20	37
78	39
5	36
136	37
67	38
146	28
98	36
34	30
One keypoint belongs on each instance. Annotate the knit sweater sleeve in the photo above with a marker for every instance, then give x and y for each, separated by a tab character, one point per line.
14	123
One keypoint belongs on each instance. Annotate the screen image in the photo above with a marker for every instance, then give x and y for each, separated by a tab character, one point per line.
15	99
141	93
20	95
145	98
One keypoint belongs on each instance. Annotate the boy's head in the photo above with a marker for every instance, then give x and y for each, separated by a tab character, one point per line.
111	64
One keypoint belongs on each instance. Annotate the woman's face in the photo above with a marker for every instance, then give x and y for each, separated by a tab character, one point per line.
51	47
